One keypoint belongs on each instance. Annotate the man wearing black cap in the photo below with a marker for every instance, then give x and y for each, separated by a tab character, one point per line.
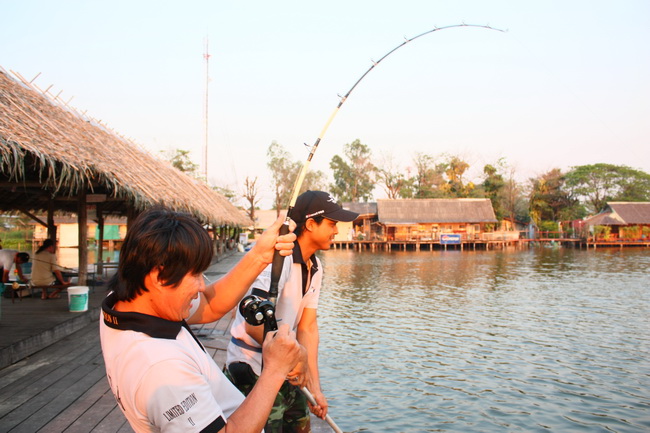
315	214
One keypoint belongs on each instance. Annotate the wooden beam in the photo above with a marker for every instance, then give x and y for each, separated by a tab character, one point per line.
34	217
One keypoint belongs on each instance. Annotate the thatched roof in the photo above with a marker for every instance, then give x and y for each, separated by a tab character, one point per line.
619	213
418	211
47	149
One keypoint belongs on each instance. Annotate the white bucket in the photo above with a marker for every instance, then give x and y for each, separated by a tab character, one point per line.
78	298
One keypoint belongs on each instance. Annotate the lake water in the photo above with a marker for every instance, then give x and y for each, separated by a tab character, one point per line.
487	341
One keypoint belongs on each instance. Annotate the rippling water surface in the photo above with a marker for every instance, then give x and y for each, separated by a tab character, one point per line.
490	341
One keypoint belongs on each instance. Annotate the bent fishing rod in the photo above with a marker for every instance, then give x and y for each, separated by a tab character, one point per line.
278	260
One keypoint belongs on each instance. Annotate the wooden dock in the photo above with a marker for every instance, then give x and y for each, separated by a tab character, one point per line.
60	385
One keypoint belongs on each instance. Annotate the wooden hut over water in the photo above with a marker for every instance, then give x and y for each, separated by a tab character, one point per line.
620	222
53	158
365	226
428	219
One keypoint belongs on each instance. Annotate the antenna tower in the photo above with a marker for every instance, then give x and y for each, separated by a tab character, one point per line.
206	56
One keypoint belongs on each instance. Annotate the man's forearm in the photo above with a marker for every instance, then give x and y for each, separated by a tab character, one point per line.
310	340
253	413
223	295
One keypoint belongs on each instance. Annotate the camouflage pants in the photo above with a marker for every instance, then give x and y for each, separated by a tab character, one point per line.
289	414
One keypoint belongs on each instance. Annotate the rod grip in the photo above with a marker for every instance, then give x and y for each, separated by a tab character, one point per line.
276	267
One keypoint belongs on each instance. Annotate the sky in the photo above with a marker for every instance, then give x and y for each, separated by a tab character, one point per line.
567	84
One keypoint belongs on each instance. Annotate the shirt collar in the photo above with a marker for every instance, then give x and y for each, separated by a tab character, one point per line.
297	258
128	321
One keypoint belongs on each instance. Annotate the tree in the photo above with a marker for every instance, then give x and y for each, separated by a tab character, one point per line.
228	193
251	195
493	186
456	187
353	179
388	175
597	184
180	159
514	202
429	181
550	201
284	172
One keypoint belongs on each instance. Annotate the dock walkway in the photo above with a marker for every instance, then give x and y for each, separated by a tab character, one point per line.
52	376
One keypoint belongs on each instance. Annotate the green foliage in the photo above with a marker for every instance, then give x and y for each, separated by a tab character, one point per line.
456	186
602	232
549	201
428	181
16	233
597	184
353	176
226	192
630	232
180	159
548	226
493	187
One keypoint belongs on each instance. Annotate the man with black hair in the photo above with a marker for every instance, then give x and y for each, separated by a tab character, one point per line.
9	258
316	214
160	374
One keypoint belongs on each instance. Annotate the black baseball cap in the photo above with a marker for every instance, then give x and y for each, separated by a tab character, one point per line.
311	204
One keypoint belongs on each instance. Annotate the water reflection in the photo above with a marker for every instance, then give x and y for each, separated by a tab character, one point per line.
516	340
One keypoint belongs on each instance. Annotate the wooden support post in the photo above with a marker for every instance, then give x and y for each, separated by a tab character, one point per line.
51	227
100	241
82	221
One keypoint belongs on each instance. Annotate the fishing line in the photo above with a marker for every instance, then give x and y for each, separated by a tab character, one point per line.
252	303
278	260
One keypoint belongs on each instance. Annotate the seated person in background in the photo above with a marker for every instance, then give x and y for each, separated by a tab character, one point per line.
8	258
45	271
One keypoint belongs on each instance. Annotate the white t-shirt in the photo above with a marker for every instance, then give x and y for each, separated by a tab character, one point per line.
161	376
7	259
290	305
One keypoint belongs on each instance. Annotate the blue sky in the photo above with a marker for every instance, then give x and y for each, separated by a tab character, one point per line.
566	85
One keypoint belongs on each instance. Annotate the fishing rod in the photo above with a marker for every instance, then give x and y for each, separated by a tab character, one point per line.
278	260
257	311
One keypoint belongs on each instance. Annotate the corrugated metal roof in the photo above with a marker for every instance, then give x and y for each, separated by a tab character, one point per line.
361	208
453	210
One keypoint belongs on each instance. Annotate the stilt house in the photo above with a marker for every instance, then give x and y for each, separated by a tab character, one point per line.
428	219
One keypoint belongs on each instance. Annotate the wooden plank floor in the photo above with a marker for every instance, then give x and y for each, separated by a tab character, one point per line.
63	387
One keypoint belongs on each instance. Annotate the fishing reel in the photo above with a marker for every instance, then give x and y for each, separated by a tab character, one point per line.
257	311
